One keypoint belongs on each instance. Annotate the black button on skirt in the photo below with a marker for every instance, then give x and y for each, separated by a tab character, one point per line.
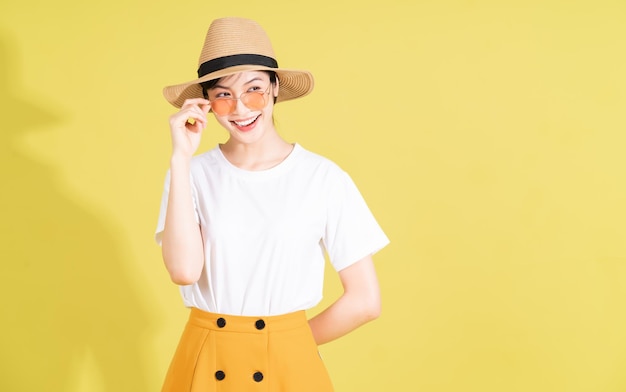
231	353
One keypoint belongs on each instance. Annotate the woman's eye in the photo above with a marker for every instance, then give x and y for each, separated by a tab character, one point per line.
255	88
222	95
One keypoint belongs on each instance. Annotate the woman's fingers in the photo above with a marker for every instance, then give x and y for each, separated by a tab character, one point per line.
195	124
187	125
200	106
195	102
192	115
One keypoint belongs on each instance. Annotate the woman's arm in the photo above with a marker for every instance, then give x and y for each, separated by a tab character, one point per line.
359	303
182	247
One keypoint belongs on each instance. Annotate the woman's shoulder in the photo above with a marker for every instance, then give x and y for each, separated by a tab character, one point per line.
319	170
316	160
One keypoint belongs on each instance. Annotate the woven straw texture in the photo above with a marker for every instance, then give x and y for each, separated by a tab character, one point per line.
232	36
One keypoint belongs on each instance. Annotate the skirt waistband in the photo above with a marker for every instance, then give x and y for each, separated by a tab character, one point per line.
249	324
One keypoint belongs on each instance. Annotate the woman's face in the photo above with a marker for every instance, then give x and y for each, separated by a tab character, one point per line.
250	117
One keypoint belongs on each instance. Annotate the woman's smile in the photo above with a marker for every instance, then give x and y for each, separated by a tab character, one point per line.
246	125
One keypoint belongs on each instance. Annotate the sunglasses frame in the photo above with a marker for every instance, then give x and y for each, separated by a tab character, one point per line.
232	100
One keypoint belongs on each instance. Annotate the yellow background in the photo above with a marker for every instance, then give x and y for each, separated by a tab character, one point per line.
487	137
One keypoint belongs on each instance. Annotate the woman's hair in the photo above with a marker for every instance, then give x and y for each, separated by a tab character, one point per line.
209	84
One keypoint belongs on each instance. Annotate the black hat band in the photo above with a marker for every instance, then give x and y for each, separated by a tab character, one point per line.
234	60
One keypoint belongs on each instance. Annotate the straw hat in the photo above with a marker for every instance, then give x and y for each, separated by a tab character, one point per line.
235	45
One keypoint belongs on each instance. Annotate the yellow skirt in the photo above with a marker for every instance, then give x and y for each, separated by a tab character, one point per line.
239	353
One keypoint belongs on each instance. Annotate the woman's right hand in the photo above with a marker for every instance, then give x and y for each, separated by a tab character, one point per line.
186	126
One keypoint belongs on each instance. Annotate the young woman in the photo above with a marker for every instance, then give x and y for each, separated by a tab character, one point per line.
245	227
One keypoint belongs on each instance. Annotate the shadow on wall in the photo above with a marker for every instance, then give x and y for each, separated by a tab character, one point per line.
67	304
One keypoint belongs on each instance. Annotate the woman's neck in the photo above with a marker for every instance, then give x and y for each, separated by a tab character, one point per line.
261	155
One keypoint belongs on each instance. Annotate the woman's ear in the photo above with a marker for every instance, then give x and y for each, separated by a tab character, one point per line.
276	88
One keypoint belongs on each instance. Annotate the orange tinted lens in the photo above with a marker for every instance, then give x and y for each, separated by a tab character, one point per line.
222	107
254	100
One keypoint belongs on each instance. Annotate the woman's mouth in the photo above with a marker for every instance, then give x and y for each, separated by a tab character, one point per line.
245	125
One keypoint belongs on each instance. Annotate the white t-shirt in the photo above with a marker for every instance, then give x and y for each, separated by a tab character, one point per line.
265	232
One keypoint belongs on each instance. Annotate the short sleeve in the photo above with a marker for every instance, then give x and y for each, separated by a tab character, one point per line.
163	211
352	232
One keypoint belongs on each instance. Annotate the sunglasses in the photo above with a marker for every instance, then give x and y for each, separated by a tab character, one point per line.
254	100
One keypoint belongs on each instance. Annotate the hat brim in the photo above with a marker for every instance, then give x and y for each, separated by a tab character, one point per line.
293	84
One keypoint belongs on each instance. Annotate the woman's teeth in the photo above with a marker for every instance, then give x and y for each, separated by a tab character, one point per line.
246	122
